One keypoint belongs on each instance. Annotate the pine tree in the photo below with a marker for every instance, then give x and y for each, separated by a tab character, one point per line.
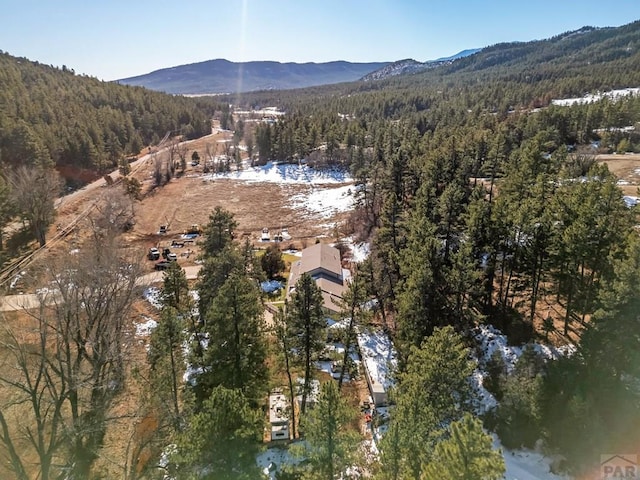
214	274
432	392
354	311
284	349
218	232
221	440
330	441
272	262
175	289
236	350
306	327
167	364
466	455
421	304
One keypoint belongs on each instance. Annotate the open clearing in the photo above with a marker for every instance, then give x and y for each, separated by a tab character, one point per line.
626	168
310	203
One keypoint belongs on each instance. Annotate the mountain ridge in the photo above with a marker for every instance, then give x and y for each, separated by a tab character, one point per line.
410	66
224	76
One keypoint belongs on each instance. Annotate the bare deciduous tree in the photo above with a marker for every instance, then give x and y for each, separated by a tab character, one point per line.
181	151
31	415
158	173
6	207
114	215
94	292
58	400
34	190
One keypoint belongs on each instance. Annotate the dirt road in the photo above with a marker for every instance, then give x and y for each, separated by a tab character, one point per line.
29	301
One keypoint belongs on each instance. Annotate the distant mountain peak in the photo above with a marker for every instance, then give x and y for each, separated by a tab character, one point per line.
410	66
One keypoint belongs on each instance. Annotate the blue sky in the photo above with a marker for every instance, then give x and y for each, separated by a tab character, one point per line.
112	39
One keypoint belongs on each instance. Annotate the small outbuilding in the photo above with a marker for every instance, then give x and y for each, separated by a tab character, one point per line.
278	416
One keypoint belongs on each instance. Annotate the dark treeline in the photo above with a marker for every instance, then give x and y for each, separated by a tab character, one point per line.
50	115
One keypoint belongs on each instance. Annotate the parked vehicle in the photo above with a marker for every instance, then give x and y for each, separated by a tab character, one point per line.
154	254
193	230
162	265
172	257
163	229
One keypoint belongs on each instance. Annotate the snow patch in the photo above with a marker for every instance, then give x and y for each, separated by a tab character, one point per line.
152	295
16	279
378	355
286	173
325	202
359	250
526	464
490	340
613	95
145	328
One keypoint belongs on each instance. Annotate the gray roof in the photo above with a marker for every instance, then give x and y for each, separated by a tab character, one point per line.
316	259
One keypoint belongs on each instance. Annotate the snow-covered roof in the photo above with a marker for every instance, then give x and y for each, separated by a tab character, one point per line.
378	355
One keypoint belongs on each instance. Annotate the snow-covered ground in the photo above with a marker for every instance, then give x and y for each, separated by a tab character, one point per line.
145	328
526	464
152	295
520	464
377	352
359	250
489	340
325	202
286	173
590	98
330	190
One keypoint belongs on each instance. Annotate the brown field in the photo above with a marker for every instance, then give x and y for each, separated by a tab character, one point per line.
190	198
625	167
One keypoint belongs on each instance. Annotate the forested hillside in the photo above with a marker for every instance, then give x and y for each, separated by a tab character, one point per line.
49	114
485	205
497	79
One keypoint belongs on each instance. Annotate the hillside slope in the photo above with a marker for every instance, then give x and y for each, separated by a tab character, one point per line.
80	123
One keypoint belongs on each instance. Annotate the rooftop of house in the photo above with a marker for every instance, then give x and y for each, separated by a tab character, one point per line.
322	256
322	261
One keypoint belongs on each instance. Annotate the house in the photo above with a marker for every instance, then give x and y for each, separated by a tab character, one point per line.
278	416
322	262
